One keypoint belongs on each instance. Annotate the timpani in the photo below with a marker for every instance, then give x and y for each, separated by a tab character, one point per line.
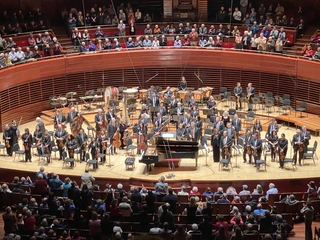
131	93
197	95
183	94
143	93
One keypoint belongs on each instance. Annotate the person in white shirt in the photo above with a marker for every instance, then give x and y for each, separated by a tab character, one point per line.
183	191
237	15
13	55
137	15
20	54
155	43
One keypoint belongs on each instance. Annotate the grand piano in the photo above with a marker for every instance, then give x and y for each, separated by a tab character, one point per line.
170	149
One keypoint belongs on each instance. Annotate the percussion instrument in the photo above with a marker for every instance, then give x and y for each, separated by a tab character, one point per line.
183	94
161	94
131	93
111	93
197	95
143	93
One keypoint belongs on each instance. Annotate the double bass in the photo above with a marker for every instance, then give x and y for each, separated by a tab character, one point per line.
141	142
116	139
77	124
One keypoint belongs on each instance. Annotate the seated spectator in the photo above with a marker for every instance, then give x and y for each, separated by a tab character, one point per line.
40	233
208	192
156	29
83	47
47	38
147	18
99	33
212	30
231	191
39	41
163	41
257	190
194	191
235	31
147	42
279	222
2	61
246	20
290	200
202	41
218	42
259	211
265	222
33	203
308	52
76	36
31	40
270	45
139	44
218	193
250	230
124	205
155	43
282	35
26	181
236	199
312	188
148	30
272	190
122	28
91	46
18	188
99	47
185	41
107	44
13	56
165	229
245	190
7	59
46	50
85	35
155	229
254	28
11	43
247	210
183	191
203	29
236	221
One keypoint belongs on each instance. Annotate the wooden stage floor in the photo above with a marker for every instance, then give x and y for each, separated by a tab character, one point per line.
206	170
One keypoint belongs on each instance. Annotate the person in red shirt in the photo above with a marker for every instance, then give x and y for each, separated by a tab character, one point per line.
194	191
29	223
41	186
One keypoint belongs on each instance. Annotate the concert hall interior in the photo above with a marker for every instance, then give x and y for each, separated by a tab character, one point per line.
178	90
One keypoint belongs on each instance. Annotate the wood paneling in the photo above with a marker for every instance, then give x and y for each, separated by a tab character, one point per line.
33	83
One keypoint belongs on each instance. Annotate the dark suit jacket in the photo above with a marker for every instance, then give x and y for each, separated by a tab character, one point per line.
97	120
258	145
70	118
247	141
229	142
79	139
296	139
63	134
253	90
63	119
196	133
174	104
176	110
306	136
110	115
232	132
183	120
111	130
276	127
157	103
237	125
163	111
219	126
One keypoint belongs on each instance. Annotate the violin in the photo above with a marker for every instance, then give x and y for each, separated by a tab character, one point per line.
61	144
7	144
141	141
301	148
226	151
26	146
249	149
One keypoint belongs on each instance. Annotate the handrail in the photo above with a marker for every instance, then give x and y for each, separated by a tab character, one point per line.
27	33
167	47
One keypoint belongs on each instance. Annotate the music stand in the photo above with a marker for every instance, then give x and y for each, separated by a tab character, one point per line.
166	101
207	112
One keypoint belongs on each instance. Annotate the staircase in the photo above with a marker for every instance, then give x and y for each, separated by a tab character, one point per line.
63	38
301	42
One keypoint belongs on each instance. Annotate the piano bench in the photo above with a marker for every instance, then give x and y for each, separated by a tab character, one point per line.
165	162
129	162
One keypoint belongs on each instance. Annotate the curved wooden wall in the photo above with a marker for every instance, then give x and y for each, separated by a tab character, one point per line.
26	88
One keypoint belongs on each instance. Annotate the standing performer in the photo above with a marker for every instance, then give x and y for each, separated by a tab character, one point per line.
250	93
15	132
199	126
225	118
211	105
37	135
82	139
103	143
306	137
215	143
8	141
298	146
183	84
181	132
40	124
27	143
238	94
230	130
46	144
257	128
225	146
71	145
247	147
112	129
110	114
154	102
193	133
273	144
123	128
94	148
60	135
273	126
256	146
236	123
283	148
60	119
99	120
162	110
71	115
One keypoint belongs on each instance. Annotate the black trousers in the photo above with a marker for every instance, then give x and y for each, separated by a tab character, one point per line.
308	229
245	156
61	149
82	155
9	150
27	154
295	156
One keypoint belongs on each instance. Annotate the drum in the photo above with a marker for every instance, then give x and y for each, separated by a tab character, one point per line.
131	93
143	93
111	93
208	91
197	95
183	94
161	94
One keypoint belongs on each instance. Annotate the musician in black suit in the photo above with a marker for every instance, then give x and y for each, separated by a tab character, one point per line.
185	120
193	133
59	119
40	124
99	119
194	112
82	139
7	137
211	105
257	127
37	135
123	128
238	94
230	130
179	110
219	125
144	121
173	102
273	144
168	92
144	110
94	148
236	123
306	137
110	114
247	147
183	84
150	92
27	143
15	132
199	125
162	110
71	145
156	129
273	126
192	103
46	146
181	131
60	135
250	93
298	148
215	143
154	103
159	119
283	148
71	115
225	144
112	129
256	146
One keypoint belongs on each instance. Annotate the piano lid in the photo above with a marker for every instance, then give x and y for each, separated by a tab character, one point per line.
163	141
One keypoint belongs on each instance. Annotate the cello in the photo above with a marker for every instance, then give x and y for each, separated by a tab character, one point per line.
141	141
116	139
